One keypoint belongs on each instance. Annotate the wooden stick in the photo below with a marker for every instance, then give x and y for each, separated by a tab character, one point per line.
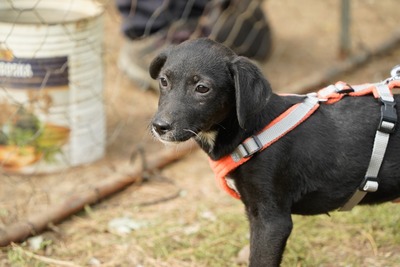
37	223
44	259
317	81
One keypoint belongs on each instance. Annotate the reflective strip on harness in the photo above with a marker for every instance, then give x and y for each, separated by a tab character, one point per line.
277	128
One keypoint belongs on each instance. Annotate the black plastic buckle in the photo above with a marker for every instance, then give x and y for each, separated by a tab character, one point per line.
346	91
259	147
388	120
369	184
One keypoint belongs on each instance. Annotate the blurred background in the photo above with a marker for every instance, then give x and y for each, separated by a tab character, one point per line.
76	102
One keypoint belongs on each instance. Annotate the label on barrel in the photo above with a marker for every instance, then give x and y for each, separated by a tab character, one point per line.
29	89
35	73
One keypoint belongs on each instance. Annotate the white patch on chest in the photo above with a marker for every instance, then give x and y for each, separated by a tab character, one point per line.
232	184
207	138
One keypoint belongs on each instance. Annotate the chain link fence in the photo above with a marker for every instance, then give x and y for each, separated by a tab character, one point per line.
69	116
51	98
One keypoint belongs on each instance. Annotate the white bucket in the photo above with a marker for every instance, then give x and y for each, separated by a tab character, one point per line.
51	85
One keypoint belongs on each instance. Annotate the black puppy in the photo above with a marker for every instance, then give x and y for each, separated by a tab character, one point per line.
210	94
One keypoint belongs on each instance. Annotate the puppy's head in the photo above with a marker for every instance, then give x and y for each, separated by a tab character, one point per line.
201	84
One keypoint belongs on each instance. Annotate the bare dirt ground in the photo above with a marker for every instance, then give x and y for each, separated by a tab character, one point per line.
306	36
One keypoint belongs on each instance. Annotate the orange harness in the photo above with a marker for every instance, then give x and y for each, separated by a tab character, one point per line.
328	95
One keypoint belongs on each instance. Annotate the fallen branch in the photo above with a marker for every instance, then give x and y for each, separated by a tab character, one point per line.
37	223
320	79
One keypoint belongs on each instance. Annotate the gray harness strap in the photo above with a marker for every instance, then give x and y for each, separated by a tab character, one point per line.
258	142
385	128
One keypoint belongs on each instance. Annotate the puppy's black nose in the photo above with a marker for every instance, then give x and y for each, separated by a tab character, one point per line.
161	126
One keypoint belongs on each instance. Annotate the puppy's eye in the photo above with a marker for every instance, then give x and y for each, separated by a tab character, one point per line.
163	82
202	89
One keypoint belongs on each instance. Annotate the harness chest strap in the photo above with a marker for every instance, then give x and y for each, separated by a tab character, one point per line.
270	134
284	124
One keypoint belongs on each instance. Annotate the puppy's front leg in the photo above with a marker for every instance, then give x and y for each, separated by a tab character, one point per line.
269	231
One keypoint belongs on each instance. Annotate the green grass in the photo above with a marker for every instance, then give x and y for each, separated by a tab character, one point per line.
346	238
17	258
367	236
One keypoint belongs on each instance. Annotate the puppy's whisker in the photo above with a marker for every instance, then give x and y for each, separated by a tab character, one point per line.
193	132
220	125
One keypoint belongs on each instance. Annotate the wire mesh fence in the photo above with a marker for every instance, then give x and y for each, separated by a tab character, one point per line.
69	114
51	95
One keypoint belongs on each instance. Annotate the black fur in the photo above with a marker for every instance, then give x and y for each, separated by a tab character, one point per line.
313	169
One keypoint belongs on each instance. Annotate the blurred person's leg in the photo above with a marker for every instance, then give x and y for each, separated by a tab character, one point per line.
142	18
244	28
151	25
147	29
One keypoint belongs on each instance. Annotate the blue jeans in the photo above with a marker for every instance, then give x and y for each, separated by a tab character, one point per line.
144	17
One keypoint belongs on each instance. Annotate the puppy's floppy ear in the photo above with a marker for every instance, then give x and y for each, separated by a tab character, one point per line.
157	64
252	90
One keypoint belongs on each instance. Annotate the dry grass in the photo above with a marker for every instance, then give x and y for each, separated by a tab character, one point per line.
208	234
